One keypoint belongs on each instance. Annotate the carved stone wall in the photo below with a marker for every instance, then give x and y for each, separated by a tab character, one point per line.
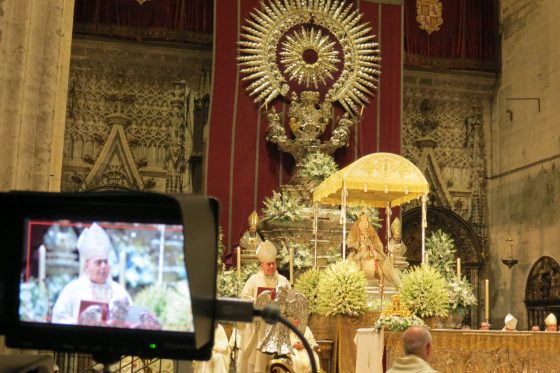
443	118
132	117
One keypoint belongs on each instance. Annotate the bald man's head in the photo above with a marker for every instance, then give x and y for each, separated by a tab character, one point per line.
418	341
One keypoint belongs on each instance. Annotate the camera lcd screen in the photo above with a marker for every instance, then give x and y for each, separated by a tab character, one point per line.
105	274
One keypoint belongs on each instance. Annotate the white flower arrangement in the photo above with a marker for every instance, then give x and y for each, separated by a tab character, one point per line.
342	290
318	166
424	291
461	294
302	255
282	206
442	252
308	284
394	323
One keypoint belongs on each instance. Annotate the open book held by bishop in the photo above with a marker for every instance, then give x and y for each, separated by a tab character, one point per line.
367	253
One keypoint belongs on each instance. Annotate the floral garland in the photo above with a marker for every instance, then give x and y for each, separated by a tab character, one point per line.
282	206
395	323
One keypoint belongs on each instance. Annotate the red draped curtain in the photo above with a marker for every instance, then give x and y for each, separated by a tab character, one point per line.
468	37
242	167
163	19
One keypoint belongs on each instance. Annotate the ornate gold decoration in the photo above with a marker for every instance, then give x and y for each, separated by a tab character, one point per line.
485	351
395	308
429	15
310	43
321	63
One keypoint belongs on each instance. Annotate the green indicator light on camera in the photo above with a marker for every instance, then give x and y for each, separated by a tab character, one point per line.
153	346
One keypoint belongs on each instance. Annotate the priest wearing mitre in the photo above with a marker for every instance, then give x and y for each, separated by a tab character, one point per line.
550	323
510	323
267	278
87	299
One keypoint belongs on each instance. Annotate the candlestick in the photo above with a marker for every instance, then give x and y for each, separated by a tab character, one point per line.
458	268
239	265
42	265
486	300
291	265
122	267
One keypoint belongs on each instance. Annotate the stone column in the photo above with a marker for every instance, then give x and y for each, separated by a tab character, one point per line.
35	42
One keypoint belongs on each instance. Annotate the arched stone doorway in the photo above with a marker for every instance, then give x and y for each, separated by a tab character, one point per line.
542	291
468	244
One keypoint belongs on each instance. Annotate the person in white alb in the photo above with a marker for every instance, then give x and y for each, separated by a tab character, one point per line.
87	299
300	358
219	362
251	360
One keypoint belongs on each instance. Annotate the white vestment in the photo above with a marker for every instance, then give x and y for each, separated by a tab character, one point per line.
219	362
251	360
300	359
67	306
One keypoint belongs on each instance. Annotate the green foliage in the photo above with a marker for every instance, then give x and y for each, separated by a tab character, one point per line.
424	291
333	254
221	246
342	290
441	250
33	304
281	206
308	283
461	294
167	302
227	285
302	255
318	166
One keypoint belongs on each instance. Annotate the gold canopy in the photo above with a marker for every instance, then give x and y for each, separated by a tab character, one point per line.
374	180
380	180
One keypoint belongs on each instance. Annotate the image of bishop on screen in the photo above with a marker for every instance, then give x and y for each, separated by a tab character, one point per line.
125	275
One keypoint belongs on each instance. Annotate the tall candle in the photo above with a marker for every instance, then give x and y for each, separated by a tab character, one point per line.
42	265
458	268
122	268
291	265
486	300
239	265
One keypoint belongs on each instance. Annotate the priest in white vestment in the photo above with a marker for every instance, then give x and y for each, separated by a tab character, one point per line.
267	278
300	359
87	299
219	362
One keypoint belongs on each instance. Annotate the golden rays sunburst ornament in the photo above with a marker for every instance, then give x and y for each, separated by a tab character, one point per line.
309	57
297	45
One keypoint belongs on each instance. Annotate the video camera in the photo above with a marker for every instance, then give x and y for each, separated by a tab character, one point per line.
163	243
